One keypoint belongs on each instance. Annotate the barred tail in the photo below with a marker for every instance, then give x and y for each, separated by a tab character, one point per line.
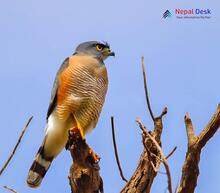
38	168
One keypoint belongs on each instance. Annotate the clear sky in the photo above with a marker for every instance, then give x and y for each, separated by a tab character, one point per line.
182	60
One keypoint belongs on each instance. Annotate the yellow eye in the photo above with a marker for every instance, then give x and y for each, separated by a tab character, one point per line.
99	47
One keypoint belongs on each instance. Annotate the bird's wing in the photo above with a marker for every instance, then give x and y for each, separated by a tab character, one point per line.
53	99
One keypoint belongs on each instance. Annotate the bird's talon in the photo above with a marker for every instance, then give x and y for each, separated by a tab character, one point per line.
96	158
75	135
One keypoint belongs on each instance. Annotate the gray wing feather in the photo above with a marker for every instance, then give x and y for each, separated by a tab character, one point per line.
53	99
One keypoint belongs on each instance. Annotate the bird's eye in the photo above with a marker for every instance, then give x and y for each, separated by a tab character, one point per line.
99	47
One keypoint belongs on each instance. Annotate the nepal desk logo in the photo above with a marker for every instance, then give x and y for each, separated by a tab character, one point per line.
188	13
167	14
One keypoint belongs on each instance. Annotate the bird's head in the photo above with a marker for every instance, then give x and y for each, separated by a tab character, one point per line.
96	49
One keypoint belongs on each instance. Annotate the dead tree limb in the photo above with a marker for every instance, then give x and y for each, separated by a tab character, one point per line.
84	173
146	170
16	146
190	170
146	89
162	158
116	151
10	189
171	153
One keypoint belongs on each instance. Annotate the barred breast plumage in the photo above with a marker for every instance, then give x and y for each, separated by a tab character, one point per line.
82	90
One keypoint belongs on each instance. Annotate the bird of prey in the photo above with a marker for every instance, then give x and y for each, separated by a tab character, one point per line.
77	98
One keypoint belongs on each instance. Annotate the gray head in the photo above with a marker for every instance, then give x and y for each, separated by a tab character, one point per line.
96	49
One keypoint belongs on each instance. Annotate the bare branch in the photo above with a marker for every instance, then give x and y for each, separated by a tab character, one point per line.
143	177
190	170
16	146
116	151
146	89
190	130
161	154
210	129
164	112
10	189
171	153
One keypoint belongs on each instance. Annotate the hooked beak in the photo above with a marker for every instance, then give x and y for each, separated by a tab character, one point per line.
111	54
108	52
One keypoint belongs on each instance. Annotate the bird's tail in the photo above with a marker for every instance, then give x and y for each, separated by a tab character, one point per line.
38	168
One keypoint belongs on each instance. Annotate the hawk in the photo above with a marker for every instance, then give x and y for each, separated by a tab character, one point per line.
77	99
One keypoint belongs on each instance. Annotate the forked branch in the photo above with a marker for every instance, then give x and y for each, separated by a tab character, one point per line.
161	156
150	159
190	170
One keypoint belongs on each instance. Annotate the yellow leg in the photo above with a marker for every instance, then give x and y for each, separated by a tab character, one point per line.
80	129
78	135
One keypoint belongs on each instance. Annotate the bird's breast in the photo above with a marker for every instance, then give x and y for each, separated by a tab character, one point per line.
82	89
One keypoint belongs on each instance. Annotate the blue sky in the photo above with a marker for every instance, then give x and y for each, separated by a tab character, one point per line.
182	61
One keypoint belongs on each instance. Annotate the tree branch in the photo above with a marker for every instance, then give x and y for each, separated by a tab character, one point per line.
171	153
210	129
84	172
163	158
190	170
10	189
146	170
146	89
16	146
143	177
116	151
190	130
